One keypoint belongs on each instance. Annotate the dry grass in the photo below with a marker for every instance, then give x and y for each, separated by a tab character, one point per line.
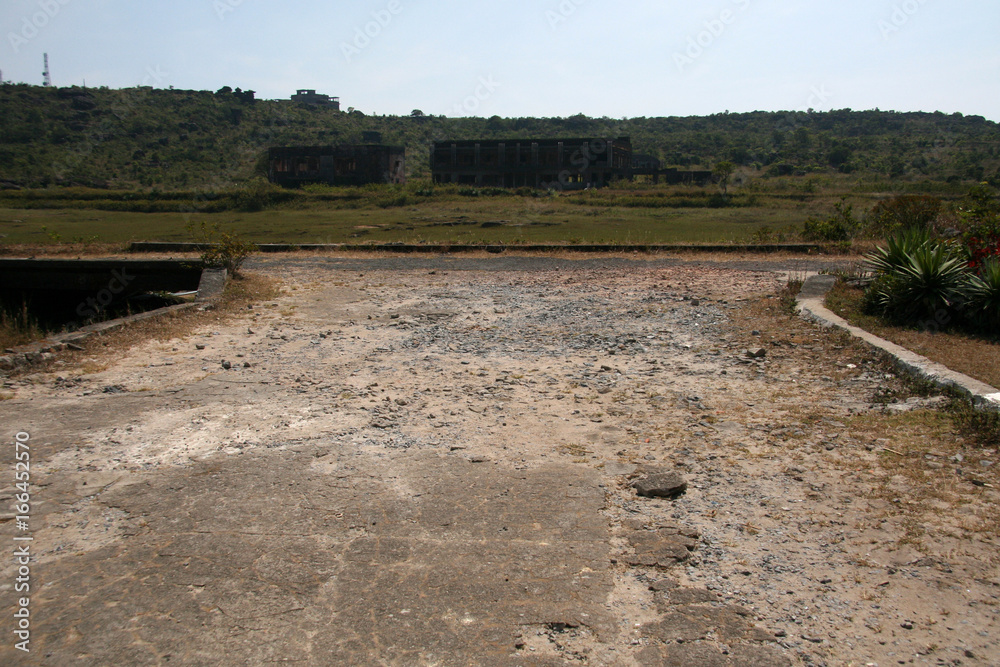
915	469
18	327
910	467
974	356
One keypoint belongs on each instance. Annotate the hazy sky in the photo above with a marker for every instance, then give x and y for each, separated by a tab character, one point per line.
528	57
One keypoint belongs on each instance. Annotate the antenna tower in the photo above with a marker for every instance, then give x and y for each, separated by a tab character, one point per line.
47	81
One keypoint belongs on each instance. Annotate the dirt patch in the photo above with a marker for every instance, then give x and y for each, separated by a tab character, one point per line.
435	464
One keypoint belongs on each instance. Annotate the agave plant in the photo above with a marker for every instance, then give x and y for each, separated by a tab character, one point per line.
923	283
983	307
897	251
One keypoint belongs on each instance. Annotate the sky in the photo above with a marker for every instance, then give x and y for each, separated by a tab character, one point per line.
518	58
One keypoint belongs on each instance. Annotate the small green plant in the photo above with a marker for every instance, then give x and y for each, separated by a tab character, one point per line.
840	226
220	249
55	237
788	297
897	251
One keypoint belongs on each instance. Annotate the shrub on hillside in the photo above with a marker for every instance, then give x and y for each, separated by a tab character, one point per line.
904	212
841	226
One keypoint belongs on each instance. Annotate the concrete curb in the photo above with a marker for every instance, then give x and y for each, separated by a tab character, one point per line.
448	248
810	304
210	288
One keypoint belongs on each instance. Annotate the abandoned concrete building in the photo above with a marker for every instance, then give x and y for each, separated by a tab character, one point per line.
337	165
310	96
538	163
650	165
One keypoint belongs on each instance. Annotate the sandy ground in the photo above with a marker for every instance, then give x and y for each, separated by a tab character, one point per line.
429	461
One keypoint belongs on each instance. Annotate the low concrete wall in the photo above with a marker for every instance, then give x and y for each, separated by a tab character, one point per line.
803	248
210	288
811	306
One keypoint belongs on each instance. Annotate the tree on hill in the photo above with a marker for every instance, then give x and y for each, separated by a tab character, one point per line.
722	171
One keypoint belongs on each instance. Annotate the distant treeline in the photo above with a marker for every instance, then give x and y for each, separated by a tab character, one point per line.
185	139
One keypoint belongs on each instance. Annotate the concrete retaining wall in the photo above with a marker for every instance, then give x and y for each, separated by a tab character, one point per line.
210	288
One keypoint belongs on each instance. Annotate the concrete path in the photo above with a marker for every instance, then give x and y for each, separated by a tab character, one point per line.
433	466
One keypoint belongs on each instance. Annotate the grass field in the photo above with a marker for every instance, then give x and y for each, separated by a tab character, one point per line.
630	215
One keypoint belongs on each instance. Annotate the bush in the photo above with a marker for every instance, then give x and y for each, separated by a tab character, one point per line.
980	219
905	212
392	200
929	280
983	307
841	226
222	250
257	195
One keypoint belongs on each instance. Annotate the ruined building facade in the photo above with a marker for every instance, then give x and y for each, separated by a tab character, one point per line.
337	165
564	164
310	96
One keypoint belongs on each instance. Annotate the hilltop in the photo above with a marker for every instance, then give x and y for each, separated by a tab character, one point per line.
184	139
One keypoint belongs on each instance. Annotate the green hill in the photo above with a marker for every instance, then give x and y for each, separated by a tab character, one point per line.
182	139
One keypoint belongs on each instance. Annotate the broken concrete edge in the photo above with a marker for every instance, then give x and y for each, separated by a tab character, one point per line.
212	285
210	289
810	305
806	248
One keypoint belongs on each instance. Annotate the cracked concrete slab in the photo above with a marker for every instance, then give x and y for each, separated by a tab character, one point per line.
270	557
430	461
